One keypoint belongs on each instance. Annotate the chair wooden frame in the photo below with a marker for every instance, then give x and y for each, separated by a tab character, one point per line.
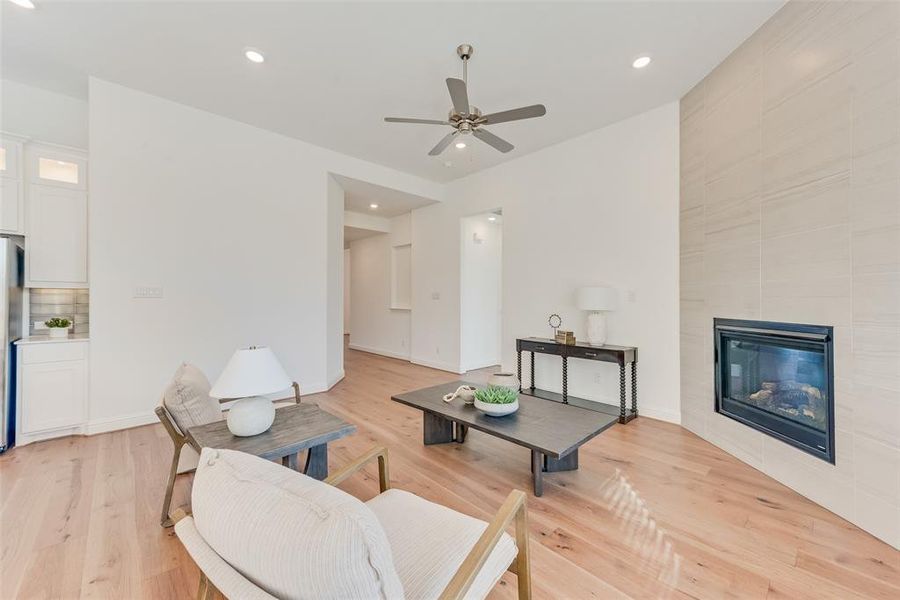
513	510
179	440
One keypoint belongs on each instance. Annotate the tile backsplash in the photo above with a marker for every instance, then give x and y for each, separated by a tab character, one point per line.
45	303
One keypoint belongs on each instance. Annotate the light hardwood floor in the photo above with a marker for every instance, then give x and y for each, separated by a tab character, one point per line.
653	512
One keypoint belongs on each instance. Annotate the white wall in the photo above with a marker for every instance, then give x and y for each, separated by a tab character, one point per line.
374	325
233	222
42	115
602	207
480	275
334	317
346	291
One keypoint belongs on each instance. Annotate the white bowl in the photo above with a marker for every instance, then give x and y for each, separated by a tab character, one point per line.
497	410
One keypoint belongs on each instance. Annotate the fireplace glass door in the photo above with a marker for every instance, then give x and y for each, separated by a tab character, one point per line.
777	381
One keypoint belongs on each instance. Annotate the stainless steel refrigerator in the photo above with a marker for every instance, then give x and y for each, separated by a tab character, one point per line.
12	264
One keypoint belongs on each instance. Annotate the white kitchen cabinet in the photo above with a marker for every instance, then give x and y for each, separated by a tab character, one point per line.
12	209
52	388
56	241
12	199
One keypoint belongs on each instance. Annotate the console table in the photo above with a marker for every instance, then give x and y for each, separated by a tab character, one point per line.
621	355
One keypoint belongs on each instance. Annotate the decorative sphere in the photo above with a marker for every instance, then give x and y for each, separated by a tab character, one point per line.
251	416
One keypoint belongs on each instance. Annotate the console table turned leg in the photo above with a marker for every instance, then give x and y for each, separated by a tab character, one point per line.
532	370
621	393
565	381
519	367
634	388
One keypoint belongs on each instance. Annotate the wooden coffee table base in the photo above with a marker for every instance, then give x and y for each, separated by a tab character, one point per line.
438	430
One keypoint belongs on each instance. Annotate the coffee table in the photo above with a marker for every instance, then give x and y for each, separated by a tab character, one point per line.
296	428
551	430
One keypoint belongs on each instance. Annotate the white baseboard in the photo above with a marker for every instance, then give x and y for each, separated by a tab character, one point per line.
336	379
441	366
378	351
660	414
115	423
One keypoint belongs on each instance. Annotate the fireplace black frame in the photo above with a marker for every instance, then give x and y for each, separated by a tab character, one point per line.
769	331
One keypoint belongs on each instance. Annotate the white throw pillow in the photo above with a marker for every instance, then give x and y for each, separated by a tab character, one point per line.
187	399
293	536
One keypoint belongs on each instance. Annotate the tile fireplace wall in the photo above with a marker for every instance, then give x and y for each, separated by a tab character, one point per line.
790	211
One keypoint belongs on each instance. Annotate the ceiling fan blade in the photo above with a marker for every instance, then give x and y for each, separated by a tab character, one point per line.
442	145
516	114
421	121
492	140
458	95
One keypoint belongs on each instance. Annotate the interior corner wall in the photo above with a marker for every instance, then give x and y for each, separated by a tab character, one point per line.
334	318
232	222
602	207
790	211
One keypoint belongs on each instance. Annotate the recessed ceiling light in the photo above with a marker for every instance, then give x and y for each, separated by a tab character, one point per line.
254	55
492	218
447	163
373	206
24	3
641	62
460	145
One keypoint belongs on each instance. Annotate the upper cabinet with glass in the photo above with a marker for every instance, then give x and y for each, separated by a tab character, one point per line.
50	165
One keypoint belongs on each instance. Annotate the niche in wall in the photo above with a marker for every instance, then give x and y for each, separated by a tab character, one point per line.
401	277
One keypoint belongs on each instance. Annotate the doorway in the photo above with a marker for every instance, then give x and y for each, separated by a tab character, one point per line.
481	285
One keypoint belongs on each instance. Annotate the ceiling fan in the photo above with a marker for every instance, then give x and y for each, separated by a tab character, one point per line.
466	119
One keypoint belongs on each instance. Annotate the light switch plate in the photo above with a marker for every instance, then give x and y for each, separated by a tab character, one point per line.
147	291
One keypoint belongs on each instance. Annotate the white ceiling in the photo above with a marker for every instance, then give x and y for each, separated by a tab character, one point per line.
333	70
355	233
358	195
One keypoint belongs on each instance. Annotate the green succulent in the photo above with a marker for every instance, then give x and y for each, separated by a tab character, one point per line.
57	322
496	395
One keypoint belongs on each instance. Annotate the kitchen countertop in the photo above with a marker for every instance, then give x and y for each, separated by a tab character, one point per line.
46	339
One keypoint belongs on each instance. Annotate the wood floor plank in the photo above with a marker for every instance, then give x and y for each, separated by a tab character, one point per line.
653	511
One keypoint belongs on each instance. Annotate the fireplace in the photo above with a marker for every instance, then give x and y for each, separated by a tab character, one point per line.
778	378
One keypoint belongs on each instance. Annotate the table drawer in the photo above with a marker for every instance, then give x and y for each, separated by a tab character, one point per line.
542	347
590	354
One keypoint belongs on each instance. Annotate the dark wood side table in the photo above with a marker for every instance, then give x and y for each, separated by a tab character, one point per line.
621	355
296	428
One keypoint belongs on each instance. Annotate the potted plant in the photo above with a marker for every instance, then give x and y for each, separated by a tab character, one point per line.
497	401
58	326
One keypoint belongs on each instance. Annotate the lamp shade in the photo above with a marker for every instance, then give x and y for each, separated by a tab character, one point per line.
597	298
252	371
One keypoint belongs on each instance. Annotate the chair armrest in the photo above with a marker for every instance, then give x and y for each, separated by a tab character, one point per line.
384	477
513	508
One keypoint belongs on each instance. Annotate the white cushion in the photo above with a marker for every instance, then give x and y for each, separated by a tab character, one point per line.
429	543
293	536
187	399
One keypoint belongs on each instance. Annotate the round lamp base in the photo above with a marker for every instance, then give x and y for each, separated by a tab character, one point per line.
251	416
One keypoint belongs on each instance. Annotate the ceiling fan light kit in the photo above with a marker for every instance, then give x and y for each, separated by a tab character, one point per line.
466	119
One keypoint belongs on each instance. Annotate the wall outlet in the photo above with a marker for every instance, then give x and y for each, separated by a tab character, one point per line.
147	291
632	296
598	378
435	295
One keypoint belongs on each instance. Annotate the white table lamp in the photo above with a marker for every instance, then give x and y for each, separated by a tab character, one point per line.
597	300
251	373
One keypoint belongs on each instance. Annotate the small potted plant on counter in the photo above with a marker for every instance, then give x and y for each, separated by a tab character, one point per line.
496	401
58	326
